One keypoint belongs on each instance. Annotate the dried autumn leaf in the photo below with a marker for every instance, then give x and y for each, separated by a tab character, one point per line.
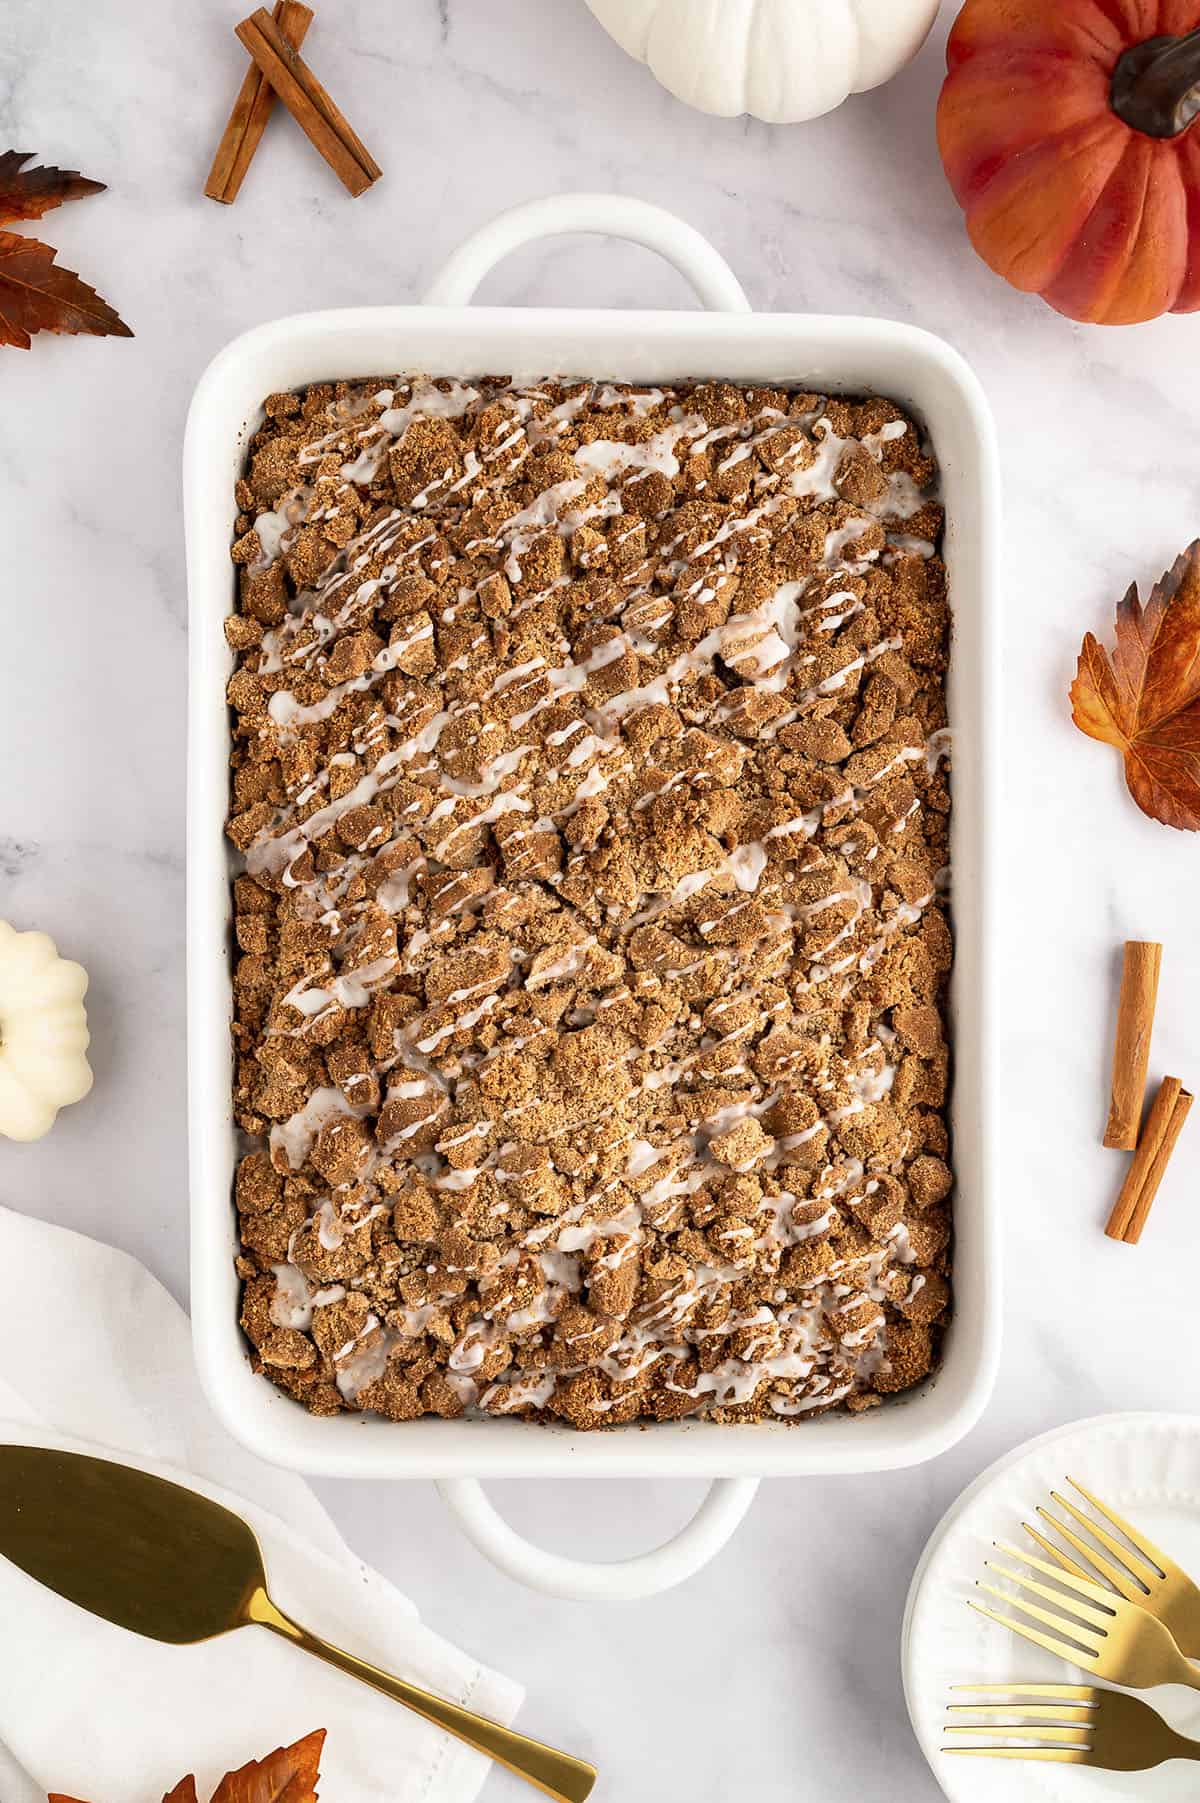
288	1775
36	295
1146	700
31	193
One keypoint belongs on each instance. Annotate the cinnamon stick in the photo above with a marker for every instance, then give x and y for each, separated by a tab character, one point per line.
1148	1165
251	110
1131	1054
314	111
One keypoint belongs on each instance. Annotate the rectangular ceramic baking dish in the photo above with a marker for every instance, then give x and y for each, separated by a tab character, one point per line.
448	337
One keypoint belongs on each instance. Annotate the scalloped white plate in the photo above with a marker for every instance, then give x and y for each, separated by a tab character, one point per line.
1147	1468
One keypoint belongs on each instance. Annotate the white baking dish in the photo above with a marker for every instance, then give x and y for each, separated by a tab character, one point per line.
446	337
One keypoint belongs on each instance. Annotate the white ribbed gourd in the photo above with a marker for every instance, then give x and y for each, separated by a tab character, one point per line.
43	1033
781	60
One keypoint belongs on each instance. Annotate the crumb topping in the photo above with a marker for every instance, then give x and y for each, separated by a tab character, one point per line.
590	786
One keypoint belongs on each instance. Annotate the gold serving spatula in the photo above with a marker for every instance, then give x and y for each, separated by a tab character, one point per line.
165	1562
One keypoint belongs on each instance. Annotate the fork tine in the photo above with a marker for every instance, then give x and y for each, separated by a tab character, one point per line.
1060	1558
1049	1755
1063	1623
1121	1553
1093	1595
1069	1610
1146	1548
1037	1712
1060	1648
1121	1580
1071	1630
1083	1693
1066	1737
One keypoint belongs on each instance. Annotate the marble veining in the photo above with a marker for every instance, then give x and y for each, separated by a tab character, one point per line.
470	106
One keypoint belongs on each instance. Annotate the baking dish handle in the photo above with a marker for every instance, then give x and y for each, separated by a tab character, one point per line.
581	1580
614	215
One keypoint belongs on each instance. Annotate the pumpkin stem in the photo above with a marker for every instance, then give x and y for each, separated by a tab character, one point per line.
1156	85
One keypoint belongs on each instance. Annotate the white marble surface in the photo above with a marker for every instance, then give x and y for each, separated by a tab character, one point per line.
773	1674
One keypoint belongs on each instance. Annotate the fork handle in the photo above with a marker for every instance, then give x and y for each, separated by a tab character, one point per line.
1177	1746
558	1775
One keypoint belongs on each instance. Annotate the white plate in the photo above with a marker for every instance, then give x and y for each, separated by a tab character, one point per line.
1147	1468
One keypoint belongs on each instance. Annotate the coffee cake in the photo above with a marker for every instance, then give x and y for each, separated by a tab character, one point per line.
591	803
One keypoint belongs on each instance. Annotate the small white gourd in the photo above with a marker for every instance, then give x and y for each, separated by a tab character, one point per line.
781	60
43	1033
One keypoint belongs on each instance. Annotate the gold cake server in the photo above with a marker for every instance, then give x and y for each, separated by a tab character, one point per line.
166	1562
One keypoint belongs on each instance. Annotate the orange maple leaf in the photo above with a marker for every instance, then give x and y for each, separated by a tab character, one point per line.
1146	699
288	1775
36	294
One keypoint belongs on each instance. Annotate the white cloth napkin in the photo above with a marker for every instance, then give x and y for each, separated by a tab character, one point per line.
96	1356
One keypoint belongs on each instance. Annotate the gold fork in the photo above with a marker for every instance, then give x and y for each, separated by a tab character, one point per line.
1093	1628
1070	1724
1140	1572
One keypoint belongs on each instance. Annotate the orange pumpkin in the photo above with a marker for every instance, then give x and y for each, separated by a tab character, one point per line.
1066	129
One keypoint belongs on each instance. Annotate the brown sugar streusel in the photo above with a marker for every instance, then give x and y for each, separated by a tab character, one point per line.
590	790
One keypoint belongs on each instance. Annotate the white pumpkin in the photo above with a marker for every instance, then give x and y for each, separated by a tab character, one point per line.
781	60
43	1033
